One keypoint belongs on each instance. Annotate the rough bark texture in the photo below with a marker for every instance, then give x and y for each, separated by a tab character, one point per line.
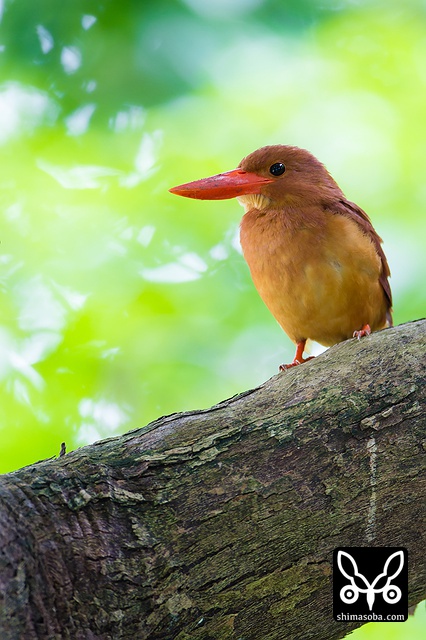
220	524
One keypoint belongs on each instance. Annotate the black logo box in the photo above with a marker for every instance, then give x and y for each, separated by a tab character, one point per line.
371	582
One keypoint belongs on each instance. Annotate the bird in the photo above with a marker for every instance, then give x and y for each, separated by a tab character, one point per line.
314	256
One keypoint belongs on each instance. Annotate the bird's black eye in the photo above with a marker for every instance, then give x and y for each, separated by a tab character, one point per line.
277	169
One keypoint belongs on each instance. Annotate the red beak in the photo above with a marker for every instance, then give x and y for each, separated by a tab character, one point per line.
225	185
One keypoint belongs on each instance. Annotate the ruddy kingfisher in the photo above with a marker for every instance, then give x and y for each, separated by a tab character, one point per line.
314	256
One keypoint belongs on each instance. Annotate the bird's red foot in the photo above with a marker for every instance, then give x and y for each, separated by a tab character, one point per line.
296	361
298	357
364	331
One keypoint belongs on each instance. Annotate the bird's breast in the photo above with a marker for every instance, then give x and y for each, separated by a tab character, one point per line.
317	273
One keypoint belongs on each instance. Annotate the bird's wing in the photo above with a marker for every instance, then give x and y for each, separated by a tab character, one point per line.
351	210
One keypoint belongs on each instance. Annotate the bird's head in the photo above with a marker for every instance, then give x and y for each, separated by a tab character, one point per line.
272	176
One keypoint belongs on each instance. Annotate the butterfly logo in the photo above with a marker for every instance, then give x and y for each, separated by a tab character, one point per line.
359	584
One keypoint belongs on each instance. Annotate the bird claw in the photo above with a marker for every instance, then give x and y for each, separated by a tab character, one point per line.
364	331
296	361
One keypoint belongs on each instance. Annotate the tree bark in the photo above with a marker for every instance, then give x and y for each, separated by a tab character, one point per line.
220	524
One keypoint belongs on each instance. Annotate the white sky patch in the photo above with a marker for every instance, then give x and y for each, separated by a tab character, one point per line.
91	86
18	357
6	342
193	261
7	258
46	39
100	417
131	118
235	241
17	214
79	177
78	122
88	21
21	365
189	267
127	234
219	252
121	121
14	212
74	299
95	176
405	253
117	247
37	347
171	272
110	354
314	348
145	159
70	59
20	392
147	152
87	433
145	235
38	308
22	109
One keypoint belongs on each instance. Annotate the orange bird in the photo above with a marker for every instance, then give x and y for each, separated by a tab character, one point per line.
314	256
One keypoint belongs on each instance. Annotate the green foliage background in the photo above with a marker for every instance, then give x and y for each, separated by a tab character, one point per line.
120	302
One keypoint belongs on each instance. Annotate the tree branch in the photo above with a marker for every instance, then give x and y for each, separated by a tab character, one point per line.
220	524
